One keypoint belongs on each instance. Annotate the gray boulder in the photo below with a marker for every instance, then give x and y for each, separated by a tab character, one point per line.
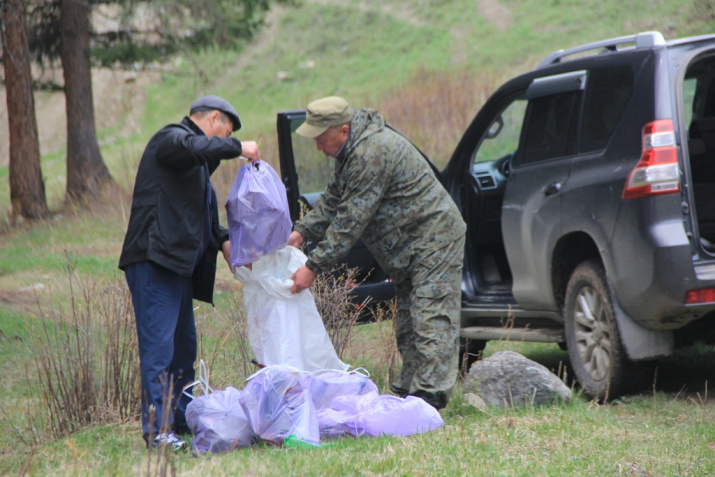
507	379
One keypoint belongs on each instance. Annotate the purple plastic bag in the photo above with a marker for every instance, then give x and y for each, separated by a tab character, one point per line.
277	403
218	422
258	216
373	415
327	385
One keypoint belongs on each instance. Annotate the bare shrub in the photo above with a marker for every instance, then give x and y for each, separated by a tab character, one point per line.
435	108
87	360
233	350
333	299
385	355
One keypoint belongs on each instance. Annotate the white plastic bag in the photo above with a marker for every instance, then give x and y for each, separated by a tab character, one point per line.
284	328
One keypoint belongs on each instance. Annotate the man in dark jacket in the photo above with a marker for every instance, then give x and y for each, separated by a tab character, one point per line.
169	254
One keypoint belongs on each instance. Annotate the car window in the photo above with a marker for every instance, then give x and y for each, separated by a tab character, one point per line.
608	91
549	127
314	169
502	137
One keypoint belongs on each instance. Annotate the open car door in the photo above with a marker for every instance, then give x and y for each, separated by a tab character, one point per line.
306	172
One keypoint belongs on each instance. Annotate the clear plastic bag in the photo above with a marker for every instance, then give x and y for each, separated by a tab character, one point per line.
218	422
284	328
258	216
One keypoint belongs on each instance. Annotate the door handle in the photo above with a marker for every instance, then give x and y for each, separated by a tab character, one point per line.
552	188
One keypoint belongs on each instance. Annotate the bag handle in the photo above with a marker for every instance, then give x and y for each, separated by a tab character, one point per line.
203	381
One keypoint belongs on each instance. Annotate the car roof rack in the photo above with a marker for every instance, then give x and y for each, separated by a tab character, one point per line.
644	39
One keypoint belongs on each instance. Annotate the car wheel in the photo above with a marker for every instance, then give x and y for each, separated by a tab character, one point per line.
470	351
597	356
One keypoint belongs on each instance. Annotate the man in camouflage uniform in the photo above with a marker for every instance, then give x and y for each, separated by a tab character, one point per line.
384	191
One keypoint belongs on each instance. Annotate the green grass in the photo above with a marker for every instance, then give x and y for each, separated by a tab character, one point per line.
661	433
375	53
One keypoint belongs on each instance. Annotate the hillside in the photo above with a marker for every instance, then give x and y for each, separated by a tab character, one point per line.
366	51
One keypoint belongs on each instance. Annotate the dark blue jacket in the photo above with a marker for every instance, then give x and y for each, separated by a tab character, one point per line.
170	201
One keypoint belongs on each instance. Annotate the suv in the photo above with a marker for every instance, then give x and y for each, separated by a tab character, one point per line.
588	188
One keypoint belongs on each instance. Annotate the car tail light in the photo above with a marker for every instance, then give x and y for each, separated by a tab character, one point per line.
704	295
657	170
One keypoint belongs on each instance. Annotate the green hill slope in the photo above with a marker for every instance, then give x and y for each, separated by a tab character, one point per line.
367	51
428	65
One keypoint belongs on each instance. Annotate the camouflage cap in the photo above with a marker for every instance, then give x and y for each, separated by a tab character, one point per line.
324	113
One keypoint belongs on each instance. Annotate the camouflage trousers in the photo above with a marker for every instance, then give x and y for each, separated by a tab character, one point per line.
427	327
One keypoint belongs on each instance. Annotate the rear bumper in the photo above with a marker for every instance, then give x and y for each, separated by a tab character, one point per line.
651	277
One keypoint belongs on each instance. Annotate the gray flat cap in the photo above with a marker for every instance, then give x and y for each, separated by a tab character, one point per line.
209	103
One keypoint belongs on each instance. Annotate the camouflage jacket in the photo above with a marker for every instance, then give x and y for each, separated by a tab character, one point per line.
384	192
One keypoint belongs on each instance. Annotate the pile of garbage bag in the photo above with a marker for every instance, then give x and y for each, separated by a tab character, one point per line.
282	403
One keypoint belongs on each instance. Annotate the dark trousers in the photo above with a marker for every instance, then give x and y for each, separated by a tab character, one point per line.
167	343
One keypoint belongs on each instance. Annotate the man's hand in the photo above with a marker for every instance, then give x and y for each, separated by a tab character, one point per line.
302	278
249	150
295	239
226	249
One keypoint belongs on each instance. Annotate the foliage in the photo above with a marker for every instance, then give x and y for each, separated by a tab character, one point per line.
335	305
43	32
143	32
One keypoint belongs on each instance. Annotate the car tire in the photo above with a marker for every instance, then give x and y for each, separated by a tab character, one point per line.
470	351
595	349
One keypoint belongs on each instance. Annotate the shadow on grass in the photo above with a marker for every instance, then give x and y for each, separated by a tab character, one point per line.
689	370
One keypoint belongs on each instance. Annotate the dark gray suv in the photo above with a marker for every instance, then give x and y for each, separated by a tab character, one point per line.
588	187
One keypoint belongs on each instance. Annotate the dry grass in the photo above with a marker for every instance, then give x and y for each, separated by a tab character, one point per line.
374	347
87	363
331	291
434	109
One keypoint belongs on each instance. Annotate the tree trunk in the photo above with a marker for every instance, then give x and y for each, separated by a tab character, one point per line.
86	172
27	188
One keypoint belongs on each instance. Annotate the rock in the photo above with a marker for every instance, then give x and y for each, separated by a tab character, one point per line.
507	379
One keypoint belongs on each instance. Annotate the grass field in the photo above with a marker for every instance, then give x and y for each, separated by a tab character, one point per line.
428	65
